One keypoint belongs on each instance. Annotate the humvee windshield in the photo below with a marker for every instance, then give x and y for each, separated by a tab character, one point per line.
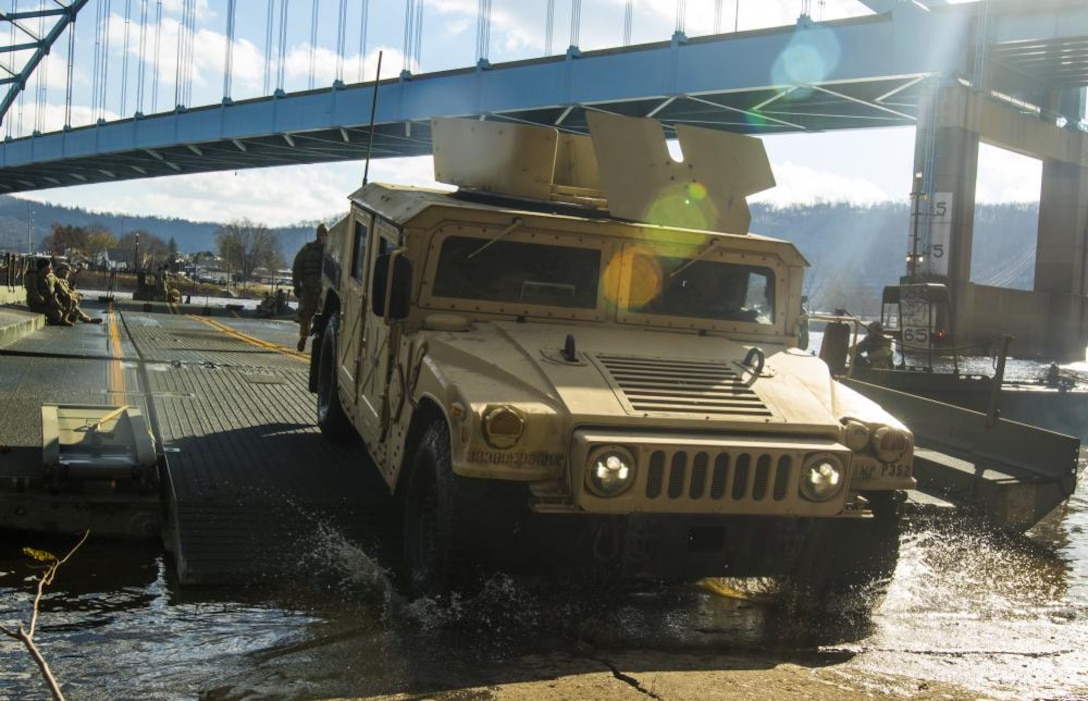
513	271
703	289
497	270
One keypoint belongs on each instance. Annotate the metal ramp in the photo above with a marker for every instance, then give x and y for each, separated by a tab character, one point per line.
99	469
1012	473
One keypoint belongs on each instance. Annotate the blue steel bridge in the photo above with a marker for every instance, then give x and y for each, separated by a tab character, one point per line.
100	91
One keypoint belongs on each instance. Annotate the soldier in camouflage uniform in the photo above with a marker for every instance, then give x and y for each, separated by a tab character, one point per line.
41	293
69	298
306	276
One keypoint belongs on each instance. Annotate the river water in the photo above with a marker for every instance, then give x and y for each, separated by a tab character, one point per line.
1005	616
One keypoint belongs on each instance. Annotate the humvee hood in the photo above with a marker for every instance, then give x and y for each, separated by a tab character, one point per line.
622	374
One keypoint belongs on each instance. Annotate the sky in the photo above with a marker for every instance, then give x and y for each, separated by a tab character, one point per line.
858	166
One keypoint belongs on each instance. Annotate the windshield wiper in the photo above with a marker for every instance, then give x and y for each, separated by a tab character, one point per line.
514	224
698	257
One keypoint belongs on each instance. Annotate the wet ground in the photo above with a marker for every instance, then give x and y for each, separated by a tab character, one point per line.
968	614
998	617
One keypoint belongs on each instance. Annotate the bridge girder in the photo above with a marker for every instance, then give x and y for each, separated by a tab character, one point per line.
26	56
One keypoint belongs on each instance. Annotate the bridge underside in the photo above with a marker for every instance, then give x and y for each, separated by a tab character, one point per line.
863	72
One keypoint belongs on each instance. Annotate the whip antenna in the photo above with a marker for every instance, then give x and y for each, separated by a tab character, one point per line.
373	109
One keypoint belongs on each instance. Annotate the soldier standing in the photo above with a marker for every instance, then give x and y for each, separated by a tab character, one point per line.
306	276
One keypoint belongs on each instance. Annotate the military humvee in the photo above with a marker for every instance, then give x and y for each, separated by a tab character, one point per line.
565	358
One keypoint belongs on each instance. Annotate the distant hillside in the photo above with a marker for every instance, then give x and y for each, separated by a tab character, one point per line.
190	236
854	251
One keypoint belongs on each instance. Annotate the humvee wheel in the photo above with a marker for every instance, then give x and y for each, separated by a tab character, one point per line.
331	418
430	512
846	565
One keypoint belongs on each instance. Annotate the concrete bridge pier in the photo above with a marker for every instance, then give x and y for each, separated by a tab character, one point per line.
1052	319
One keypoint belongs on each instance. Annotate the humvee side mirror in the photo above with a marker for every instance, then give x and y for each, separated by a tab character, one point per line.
391	290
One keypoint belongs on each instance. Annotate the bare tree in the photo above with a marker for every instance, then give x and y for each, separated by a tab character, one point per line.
246	246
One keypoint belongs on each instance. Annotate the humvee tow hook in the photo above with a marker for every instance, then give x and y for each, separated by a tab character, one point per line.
757	353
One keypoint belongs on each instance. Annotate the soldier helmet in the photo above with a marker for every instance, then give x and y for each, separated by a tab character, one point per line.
875	327
322	229
43	263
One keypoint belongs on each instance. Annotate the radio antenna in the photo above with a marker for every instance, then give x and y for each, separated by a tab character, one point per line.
373	109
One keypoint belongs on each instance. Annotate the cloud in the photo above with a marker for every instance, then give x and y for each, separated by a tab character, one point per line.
1004	176
802	184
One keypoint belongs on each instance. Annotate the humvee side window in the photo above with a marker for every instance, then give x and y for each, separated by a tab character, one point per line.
359	259
703	289
512	271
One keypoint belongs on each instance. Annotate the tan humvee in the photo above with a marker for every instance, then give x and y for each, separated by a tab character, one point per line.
565	358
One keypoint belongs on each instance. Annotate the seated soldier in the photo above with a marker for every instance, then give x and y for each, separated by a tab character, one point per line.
69	298
41	293
875	350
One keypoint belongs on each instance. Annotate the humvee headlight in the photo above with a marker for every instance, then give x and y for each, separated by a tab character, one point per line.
822	477
503	426
856	435
611	471
889	443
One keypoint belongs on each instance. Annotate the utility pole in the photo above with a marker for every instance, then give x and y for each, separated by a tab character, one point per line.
29	226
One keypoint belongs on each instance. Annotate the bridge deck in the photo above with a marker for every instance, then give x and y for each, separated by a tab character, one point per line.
251	491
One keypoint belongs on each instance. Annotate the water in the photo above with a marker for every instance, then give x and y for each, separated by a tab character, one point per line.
1004	616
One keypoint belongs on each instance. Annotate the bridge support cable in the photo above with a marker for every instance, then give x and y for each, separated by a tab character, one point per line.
282	52
268	49
42	78
628	13
184	74
155	67
101	63
362	41
483	32
68	79
549	28
228	60
140	66
341	39
313	40
575	22
681	17
413	35
124	60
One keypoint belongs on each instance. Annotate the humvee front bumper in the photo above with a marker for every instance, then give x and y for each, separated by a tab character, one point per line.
709	474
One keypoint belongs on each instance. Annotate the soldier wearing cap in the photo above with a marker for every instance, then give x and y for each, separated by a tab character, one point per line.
306	276
69	298
41	293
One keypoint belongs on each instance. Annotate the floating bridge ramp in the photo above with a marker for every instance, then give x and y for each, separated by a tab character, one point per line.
1012	473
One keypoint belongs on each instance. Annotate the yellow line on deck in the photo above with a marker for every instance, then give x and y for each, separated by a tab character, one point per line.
252	340
116	389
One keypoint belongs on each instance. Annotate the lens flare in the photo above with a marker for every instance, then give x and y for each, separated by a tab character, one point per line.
810	57
646	276
684	205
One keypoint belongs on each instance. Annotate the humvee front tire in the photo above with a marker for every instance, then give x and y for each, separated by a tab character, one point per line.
331	418
847	564
430	516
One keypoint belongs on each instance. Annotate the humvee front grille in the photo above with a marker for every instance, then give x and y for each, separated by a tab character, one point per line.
662	386
721	477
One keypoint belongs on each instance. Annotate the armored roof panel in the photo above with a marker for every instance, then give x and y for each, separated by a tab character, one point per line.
401	204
